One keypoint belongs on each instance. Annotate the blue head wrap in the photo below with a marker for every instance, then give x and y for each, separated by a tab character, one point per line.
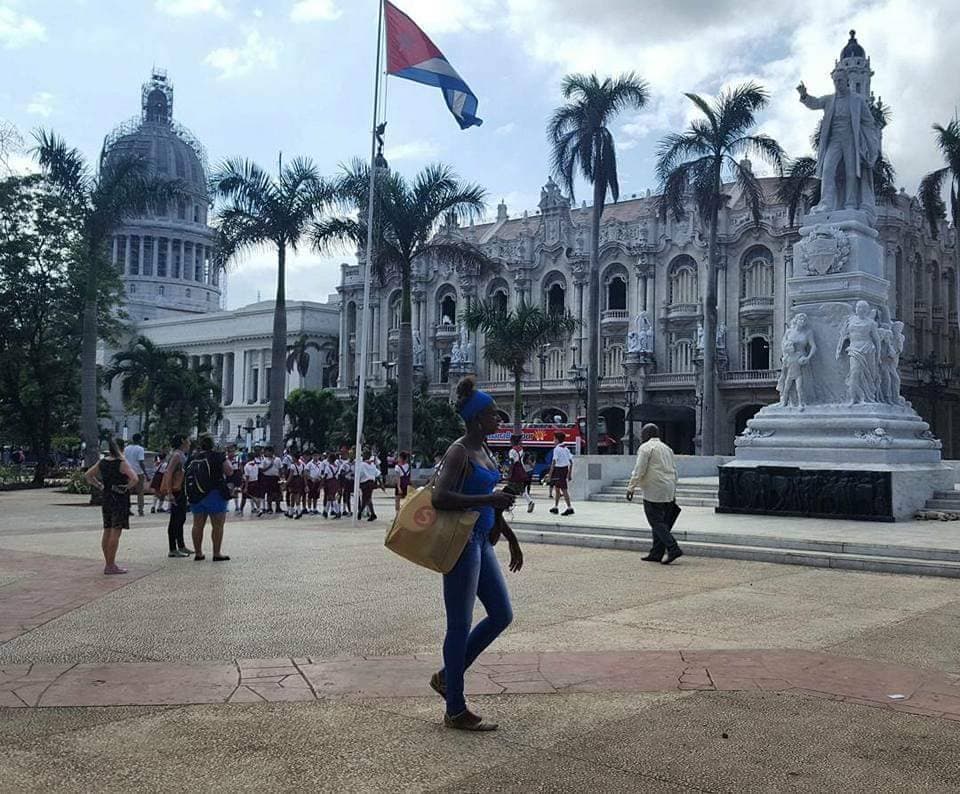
475	405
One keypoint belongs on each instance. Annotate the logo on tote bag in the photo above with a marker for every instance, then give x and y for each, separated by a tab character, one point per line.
425	516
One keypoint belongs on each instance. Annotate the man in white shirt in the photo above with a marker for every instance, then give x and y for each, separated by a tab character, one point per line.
134	455
251	486
561	472
656	474
368	472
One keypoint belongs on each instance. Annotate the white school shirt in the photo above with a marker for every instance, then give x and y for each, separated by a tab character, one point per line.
270	468
367	471
346	469
313	470
562	457
251	472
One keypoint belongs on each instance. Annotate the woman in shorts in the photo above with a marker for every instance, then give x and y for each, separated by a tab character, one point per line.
113	475
214	502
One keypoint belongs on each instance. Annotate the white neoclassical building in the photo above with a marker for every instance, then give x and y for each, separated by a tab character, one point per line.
174	293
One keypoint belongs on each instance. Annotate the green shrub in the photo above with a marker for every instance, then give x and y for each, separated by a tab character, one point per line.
77	484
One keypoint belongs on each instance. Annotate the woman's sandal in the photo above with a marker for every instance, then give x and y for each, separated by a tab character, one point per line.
438	685
466	720
221	558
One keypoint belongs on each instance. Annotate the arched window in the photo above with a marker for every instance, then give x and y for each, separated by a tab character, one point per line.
756	273
448	310
681	355
395	311
617	294
683	281
500	300
554	292
758	353
498	293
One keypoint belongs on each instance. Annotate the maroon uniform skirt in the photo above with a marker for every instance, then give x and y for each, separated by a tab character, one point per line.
271	486
253	489
560	477
155	482
295	484
331	489
313	488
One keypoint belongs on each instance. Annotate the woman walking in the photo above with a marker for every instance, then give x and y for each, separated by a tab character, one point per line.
159	467
467	478
402	471
114	476
172	486
214	501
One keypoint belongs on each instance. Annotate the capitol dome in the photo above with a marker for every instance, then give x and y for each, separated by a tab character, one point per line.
166	257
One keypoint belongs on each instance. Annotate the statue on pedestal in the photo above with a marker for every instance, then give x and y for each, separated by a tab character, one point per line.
640	338
849	136
418	351
860	337
797	348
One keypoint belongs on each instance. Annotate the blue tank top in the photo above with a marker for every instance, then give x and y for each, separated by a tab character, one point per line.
481	480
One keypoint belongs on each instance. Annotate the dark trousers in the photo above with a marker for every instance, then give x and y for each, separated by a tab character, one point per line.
660	516
366	497
178	514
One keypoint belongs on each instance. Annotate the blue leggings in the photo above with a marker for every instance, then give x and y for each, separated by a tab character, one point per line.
477	574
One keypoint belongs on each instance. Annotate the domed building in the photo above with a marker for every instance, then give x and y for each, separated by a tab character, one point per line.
166	258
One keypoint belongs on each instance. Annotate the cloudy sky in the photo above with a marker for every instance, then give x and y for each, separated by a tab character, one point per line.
254	77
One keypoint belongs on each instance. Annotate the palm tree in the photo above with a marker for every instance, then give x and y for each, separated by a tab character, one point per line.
123	187
512	337
697	161
931	188
800	185
407	217
141	369
298	355
263	210
580	140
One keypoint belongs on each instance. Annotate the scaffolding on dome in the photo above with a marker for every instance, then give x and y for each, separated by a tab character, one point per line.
133	125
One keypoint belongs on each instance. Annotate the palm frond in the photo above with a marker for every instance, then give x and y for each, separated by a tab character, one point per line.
931	198
762	146
737	108
64	165
676	147
749	187
795	186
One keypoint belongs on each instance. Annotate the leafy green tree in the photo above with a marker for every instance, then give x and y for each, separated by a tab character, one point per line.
314	416
436	425
580	140
260	209
696	162
511	337
187	398
407	217
931	188
122	187
41	301
140	370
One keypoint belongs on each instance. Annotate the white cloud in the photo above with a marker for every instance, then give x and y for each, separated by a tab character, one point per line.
40	104
453	16
689	45
256	52
189	8
19	30
413	150
314	11
505	129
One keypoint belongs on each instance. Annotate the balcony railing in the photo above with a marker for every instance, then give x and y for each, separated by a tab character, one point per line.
614	315
920	307
683	310
447	331
757	304
938	313
741	376
393	334
661	380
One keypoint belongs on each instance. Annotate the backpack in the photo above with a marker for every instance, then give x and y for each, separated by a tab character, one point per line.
198	480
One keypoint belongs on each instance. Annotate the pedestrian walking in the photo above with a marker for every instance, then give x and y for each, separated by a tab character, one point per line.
251	487
561	473
518	478
134	455
655	473
114	476
159	467
402	471
368	473
172	487
467	480
235	481
206	487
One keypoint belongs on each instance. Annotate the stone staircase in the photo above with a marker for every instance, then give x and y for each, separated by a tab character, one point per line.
944	501
693	492
860	556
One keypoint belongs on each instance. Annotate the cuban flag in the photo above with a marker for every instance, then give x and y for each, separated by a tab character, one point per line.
411	54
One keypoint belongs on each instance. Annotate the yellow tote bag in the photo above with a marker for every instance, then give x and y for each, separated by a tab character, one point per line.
429	537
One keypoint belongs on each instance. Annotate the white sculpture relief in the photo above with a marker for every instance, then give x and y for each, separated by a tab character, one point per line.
860	339
700	336
418	350
825	251
721	337
798	347
640	337
878	437
891	347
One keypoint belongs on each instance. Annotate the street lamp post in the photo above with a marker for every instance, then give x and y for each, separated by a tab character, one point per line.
542	356
934	378
631	404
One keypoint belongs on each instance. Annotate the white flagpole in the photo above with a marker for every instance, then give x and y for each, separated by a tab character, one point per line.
367	276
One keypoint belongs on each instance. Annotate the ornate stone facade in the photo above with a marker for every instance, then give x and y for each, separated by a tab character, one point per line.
657	267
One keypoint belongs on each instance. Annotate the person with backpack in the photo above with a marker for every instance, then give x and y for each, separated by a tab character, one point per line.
206	485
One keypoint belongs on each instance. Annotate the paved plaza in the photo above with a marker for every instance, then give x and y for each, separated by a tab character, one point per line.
302	664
